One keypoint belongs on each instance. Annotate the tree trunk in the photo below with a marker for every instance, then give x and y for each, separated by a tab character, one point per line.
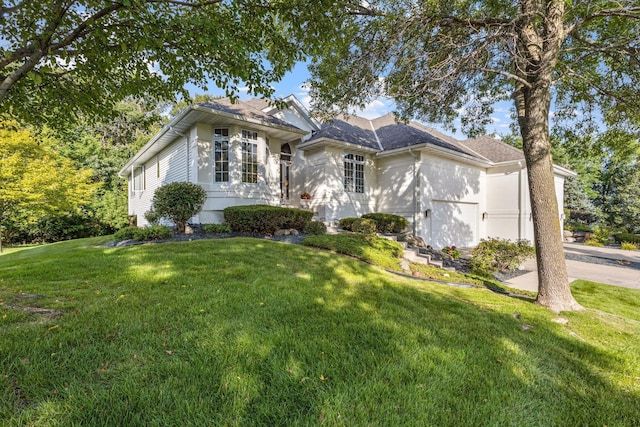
553	282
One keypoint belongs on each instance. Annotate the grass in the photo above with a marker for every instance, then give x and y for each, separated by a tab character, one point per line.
252	332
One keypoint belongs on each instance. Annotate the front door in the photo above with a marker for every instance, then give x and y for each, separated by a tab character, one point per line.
285	171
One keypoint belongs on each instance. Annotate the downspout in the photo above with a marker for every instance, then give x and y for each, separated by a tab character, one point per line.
415	191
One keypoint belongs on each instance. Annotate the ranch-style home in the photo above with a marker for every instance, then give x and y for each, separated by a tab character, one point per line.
452	192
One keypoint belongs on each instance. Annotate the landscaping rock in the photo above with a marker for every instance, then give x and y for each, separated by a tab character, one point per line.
281	232
294	232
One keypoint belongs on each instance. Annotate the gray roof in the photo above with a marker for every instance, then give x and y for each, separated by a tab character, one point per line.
494	149
349	129
246	110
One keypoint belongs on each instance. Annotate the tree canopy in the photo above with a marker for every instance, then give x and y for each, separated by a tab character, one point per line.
59	58
437	59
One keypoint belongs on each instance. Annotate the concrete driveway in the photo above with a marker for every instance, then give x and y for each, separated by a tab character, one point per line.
589	263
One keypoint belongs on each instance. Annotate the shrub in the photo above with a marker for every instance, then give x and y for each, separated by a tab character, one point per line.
499	255
593	242
576	226
178	202
217	228
346	223
369	248
155	232
126	233
627	237
628	246
264	219
387	223
601	235
315	228
364	226
152	217
451	251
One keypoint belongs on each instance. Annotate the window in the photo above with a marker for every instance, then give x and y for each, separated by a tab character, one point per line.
249	156
353	173
221	155
139	179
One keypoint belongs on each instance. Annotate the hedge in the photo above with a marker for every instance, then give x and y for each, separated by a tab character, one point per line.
387	223
627	237
264	219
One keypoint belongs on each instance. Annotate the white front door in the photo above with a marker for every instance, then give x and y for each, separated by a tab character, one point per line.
285	172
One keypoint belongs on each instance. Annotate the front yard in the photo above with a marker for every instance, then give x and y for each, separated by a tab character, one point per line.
251	332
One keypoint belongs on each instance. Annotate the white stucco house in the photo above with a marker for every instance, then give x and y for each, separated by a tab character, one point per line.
450	191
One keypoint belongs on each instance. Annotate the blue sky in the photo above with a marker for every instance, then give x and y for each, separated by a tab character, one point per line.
293	84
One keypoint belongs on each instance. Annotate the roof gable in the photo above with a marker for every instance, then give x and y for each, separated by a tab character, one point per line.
494	149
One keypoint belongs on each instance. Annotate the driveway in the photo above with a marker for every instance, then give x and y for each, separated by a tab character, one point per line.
603	265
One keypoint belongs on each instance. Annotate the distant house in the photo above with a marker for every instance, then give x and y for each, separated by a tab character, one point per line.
450	191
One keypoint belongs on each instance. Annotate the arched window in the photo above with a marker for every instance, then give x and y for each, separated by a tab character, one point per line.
285	152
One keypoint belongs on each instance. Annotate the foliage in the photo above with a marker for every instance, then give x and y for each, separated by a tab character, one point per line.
367	247
593	242
628	246
619	192
499	255
125	233
217	228
264	219
601	235
452	251
300	337
35	181
626	237
346	223
152	217
154	232
315	228
576	226
88	55
387	223
179	201
364	226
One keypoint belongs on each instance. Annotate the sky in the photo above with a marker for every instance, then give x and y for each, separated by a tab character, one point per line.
293	84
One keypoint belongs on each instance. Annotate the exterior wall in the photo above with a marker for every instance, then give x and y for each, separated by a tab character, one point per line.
396	181
324	175
453	194
506	206
170	165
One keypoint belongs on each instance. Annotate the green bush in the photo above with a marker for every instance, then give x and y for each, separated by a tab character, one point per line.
155	232
346	223
628	246
315	228
264	219
126	233
576	226
499	255
627	237
178	202
601	235
451	251
152	217
369	248
364	226
387	223
593	242
217	228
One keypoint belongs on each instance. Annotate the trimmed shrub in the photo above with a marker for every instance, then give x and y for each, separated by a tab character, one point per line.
264	219
628	246
627	237
388	223
576	226
499	255
369	248
178	202
126	233
364	226
315	228
155	232
346	223
216	228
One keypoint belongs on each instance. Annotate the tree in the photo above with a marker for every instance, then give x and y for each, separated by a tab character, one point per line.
619	193
35	180
435	58
178	202
59	58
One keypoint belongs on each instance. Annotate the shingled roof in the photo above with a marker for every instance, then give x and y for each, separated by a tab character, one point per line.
246	110
494	149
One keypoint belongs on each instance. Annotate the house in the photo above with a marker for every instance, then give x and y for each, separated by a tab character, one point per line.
450	191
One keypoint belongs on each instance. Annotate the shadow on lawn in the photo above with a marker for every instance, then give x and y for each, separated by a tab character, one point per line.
242	332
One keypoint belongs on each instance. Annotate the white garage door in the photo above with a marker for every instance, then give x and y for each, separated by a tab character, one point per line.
454	223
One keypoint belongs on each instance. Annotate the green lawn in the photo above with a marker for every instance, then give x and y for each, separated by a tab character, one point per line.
251	332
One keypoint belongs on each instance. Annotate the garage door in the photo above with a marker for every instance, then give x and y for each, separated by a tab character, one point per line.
454	223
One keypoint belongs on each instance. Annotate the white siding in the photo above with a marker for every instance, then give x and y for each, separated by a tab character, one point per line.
397	191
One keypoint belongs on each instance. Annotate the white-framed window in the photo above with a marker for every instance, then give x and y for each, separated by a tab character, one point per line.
353	173
221	155
139	179
249	156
